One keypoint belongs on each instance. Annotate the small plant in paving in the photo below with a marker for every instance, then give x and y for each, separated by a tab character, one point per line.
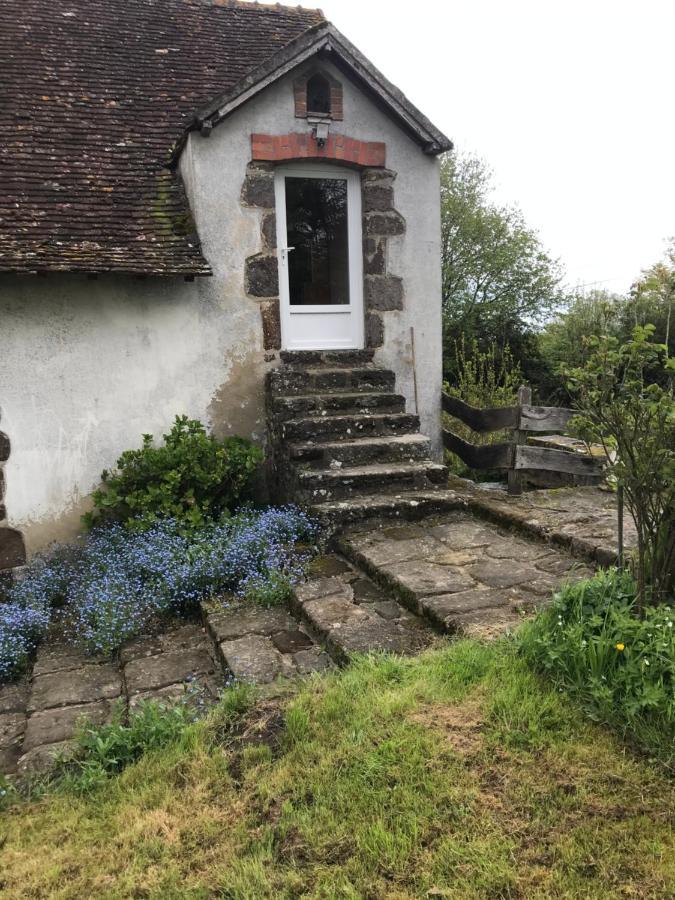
633	417
192	478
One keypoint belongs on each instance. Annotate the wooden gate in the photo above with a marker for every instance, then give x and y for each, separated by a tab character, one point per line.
515	455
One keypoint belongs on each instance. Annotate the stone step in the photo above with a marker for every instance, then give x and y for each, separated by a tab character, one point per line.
326	357
336	404
406	447
407	506
319	485
349	427
349	614
289	380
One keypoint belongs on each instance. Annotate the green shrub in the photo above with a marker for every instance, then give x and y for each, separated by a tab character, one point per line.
105	750
634	420
192	478
483	379
619	665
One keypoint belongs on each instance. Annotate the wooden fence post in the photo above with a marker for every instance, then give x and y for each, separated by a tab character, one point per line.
515	476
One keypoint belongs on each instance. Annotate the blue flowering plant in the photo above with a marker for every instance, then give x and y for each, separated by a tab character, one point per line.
120	582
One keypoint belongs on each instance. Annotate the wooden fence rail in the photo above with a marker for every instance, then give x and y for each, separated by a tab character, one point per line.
515	455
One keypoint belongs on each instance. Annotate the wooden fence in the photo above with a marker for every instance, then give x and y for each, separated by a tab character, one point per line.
515	455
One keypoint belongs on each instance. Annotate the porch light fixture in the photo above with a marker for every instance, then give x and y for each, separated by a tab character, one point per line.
320	132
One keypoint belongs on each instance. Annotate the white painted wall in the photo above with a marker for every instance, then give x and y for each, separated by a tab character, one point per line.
214	169
87	366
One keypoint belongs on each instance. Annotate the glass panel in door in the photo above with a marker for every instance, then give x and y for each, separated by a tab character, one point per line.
316	229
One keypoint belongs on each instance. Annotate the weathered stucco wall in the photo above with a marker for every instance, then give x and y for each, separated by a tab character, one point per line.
214	169
88	366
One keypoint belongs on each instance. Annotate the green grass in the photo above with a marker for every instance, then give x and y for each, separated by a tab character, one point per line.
456	774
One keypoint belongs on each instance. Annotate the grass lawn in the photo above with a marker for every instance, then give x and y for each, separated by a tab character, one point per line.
455	774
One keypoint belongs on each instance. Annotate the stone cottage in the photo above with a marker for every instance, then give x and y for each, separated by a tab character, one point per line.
196	194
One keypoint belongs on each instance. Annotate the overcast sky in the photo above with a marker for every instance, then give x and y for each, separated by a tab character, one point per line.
571	102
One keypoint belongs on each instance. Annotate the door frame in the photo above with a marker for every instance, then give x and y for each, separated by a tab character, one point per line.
354	309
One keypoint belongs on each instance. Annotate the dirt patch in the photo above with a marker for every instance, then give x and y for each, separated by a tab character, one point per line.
263	725
460	725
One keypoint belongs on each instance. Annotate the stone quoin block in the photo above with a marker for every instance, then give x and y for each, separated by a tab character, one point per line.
12	549
268	229
383	292
271	324
374	330
383	177
387	224
374	256
262	275
258	188
377	197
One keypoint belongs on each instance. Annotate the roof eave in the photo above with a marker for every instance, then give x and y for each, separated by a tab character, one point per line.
320	38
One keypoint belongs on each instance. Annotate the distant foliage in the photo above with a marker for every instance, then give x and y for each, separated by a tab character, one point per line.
620	665
499	283
192	478
483	379
119	582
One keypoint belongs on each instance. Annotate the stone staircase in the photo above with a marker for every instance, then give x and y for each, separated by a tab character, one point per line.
343	443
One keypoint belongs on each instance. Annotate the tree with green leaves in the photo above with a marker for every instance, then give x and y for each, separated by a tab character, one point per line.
632	414
652	300
499	283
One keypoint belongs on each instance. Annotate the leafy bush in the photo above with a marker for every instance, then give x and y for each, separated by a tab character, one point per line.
483	379
105	750
118	582
193	478
619	665
634	420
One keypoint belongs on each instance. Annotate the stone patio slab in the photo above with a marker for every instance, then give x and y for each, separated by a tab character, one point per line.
330	612
419	578
12	727
151	672
324	587
84	685
253	659
312	660
59	658
380	551
501	573
41	758
186	637
291	641
14	697
54	725
233	622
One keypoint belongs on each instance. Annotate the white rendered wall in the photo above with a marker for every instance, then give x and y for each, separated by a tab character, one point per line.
88	366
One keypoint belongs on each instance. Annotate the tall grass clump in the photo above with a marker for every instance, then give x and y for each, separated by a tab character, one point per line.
617	661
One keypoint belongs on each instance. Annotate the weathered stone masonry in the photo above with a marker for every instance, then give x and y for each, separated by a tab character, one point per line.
383	292
12	549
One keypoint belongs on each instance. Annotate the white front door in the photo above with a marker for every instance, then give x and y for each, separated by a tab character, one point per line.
320	257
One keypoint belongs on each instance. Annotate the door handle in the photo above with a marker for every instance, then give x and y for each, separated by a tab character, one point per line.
284	252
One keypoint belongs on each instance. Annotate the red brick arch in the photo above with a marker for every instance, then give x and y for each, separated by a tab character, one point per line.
338	147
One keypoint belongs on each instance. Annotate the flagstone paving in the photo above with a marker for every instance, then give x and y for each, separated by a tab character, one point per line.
465	575
583	520
395	588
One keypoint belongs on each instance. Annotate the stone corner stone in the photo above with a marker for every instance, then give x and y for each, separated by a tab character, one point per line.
262	275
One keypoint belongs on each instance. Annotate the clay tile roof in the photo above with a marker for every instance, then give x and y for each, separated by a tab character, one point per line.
93	96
